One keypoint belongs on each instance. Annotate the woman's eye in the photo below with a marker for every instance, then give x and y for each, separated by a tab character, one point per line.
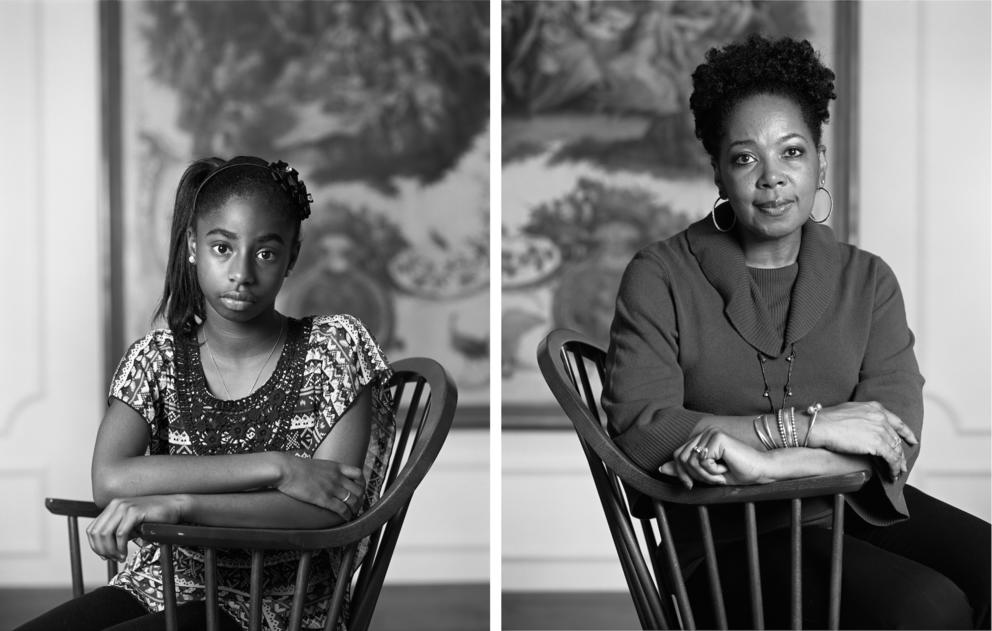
266	255
794	152
742	159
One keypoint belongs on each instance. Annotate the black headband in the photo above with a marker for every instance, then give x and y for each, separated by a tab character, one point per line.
287	177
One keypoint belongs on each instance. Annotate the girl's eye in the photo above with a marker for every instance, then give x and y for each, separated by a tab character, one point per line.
266	255
220	248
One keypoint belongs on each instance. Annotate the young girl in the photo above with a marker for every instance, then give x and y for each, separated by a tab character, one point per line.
259	392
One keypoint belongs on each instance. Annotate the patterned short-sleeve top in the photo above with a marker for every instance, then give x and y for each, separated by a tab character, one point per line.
325	363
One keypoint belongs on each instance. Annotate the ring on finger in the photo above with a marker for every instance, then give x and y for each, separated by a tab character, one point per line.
347	497
696	450
703	453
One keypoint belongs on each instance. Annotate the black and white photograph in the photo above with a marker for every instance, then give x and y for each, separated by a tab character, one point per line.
496	315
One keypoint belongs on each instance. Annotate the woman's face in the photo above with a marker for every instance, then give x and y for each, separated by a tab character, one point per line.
243	252
768	167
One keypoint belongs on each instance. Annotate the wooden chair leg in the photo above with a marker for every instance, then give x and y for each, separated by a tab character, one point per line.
836	561
711	568
168	586
75	563
210	577
644	590
255	602
670	613
796	541
674	567
639	591
753	566
340	586
300	593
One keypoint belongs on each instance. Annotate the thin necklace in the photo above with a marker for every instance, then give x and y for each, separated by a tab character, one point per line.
220	374
787	390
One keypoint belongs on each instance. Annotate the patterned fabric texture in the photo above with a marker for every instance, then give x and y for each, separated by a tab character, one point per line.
325	363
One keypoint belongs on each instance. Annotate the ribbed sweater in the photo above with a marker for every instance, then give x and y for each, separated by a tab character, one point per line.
775	291
690	323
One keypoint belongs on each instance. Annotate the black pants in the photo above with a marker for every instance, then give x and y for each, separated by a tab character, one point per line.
928	572
113	609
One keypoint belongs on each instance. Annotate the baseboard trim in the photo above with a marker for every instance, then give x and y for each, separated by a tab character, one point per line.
552	611
430	607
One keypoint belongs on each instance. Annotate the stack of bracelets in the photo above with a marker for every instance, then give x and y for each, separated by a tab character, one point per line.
786	418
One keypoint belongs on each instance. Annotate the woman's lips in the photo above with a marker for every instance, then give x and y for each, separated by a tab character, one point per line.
775	207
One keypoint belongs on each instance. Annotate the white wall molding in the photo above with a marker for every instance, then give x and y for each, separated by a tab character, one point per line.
925	180
21	169
25	536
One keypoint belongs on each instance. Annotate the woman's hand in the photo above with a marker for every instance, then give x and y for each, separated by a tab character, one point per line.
331	485
714	457
109	533
864	429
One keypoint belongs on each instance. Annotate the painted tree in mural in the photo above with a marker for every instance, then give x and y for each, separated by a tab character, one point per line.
383	98
599	149
628	59
375	89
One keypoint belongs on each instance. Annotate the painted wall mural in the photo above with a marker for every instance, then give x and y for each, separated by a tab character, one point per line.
383	107
599	155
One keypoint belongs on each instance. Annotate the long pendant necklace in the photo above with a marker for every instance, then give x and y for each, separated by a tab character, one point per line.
787	390
220	374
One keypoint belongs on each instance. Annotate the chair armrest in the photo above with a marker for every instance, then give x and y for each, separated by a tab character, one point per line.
393	500
814	486
669	489
72	508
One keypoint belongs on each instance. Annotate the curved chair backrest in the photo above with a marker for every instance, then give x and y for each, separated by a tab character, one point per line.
427	416
574	368
424	401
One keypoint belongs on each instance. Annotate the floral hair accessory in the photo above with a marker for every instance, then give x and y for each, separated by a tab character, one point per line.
286	176
289	179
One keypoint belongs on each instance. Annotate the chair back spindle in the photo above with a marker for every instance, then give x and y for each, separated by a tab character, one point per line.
210	576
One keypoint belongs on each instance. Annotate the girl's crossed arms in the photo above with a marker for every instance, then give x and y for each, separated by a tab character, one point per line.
265	490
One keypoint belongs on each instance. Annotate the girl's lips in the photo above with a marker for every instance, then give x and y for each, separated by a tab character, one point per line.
236	301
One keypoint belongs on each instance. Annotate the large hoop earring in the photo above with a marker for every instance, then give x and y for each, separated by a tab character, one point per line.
831	210
716	205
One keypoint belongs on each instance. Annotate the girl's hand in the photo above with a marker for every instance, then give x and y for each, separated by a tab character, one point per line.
864	428
331	485
109	533
714	457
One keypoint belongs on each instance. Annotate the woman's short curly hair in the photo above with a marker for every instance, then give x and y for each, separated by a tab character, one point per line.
784	67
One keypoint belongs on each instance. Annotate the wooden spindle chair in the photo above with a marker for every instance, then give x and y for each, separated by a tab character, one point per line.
424	399
573	367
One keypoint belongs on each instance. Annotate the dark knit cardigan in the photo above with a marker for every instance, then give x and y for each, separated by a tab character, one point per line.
690	323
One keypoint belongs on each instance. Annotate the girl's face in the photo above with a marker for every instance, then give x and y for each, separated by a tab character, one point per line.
768	167
243	252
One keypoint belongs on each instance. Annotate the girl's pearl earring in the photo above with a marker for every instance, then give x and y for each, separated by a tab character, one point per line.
192	259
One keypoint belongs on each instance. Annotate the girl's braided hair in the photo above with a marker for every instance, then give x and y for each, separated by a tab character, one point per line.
205	186
785	67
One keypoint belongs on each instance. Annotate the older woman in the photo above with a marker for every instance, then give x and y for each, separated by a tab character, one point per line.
755	347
